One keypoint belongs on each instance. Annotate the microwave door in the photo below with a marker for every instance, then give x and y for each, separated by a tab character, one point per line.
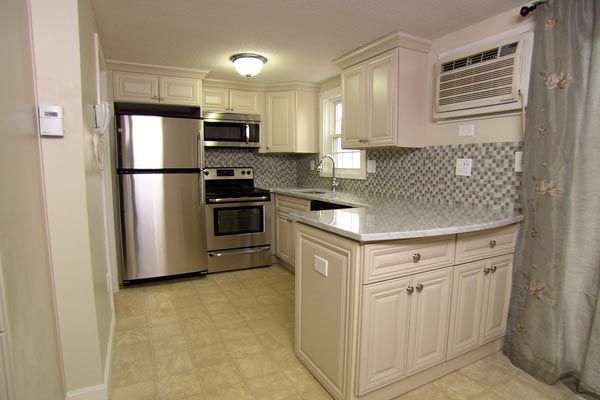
231	134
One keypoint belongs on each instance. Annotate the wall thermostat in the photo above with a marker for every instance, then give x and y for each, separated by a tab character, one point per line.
51	121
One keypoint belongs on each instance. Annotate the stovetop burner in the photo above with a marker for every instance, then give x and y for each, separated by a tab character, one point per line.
231	183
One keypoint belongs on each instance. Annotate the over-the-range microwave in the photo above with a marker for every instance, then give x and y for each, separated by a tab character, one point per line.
231	130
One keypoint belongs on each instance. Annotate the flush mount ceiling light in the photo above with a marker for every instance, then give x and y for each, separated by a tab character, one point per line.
248	64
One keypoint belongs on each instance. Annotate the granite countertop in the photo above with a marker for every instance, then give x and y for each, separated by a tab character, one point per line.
384	218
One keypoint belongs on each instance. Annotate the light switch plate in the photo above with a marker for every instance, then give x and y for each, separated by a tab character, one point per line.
312	165
371	166
466	130
321	265
463	166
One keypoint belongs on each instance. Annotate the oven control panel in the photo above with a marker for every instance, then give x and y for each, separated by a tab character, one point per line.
228	173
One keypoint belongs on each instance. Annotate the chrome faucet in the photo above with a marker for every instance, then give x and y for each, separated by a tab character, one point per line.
334	182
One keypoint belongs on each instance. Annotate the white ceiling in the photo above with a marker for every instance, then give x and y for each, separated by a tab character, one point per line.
299	37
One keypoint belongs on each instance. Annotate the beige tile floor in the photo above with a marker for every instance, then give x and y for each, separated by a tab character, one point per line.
230	336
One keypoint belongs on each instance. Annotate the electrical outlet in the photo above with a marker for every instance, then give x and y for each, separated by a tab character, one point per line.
518	161
463	166
321	265
312	165
371	166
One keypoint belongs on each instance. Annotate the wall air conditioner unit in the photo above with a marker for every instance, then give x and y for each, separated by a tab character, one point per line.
485	80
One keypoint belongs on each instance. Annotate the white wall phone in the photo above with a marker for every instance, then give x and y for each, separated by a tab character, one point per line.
102	117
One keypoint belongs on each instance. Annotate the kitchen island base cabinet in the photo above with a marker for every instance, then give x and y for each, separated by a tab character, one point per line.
377	340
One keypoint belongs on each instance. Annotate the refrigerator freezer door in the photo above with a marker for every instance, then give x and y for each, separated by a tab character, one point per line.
162	222
150	142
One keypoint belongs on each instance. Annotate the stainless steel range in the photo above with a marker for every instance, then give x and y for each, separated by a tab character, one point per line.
238	220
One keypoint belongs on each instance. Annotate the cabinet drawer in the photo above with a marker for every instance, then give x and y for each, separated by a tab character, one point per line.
391	260
290	204
493	242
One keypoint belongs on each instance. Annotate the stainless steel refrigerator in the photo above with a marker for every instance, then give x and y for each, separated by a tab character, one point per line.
160	185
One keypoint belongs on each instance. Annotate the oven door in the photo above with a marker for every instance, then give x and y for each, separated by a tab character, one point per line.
237	225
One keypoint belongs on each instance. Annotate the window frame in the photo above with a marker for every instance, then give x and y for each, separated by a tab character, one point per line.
327	103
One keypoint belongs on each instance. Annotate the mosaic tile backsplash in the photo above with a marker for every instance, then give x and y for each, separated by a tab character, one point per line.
423	174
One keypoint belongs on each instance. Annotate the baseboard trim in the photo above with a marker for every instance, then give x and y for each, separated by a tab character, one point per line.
109	350
97	392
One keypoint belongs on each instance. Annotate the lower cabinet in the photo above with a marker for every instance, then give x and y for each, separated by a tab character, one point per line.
377	340
404	326
284	237
480	301
284	228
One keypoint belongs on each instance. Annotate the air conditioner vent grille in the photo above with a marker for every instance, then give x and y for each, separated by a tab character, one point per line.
508	62
476	96
501	73
476	58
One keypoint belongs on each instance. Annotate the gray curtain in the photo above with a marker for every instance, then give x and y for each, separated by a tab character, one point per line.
555	312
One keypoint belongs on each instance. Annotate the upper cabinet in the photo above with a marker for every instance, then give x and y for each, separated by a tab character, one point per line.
149	88
384	87
144	83
290	124
231	100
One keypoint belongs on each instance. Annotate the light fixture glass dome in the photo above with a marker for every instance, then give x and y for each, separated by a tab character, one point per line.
248	64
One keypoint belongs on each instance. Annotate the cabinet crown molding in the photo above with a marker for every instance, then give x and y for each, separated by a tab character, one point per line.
260	87
127	66
381	45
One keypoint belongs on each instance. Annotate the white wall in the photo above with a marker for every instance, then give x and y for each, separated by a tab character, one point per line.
95	181
497	129
24	257
72	194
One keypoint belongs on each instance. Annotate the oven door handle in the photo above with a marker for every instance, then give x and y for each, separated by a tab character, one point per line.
238	251
237	199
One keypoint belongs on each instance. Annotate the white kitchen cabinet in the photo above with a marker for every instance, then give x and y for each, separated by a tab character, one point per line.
497	296
353	93
376	320
481	297
231	100
284	227
150	88
384	333
290	122
384	86
429	314
284	236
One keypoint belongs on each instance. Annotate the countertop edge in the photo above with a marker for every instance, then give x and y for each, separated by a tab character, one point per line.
387	236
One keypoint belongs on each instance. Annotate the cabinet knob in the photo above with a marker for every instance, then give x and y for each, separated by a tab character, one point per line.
161	98
416	257
492	243
155	97
410	289
493	269
419	287
486	270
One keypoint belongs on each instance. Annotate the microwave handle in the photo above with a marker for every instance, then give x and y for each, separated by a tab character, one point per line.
247	133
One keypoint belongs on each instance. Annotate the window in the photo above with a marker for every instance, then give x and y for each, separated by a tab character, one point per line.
349	163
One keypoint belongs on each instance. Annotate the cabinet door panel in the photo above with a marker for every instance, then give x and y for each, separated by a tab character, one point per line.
353	98
465	315
382	97
384	334
215	99
174	90
429	314
498	298
136	87
284	246
281	121
243	101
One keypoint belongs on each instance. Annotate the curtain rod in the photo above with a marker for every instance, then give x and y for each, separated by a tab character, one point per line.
525	10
